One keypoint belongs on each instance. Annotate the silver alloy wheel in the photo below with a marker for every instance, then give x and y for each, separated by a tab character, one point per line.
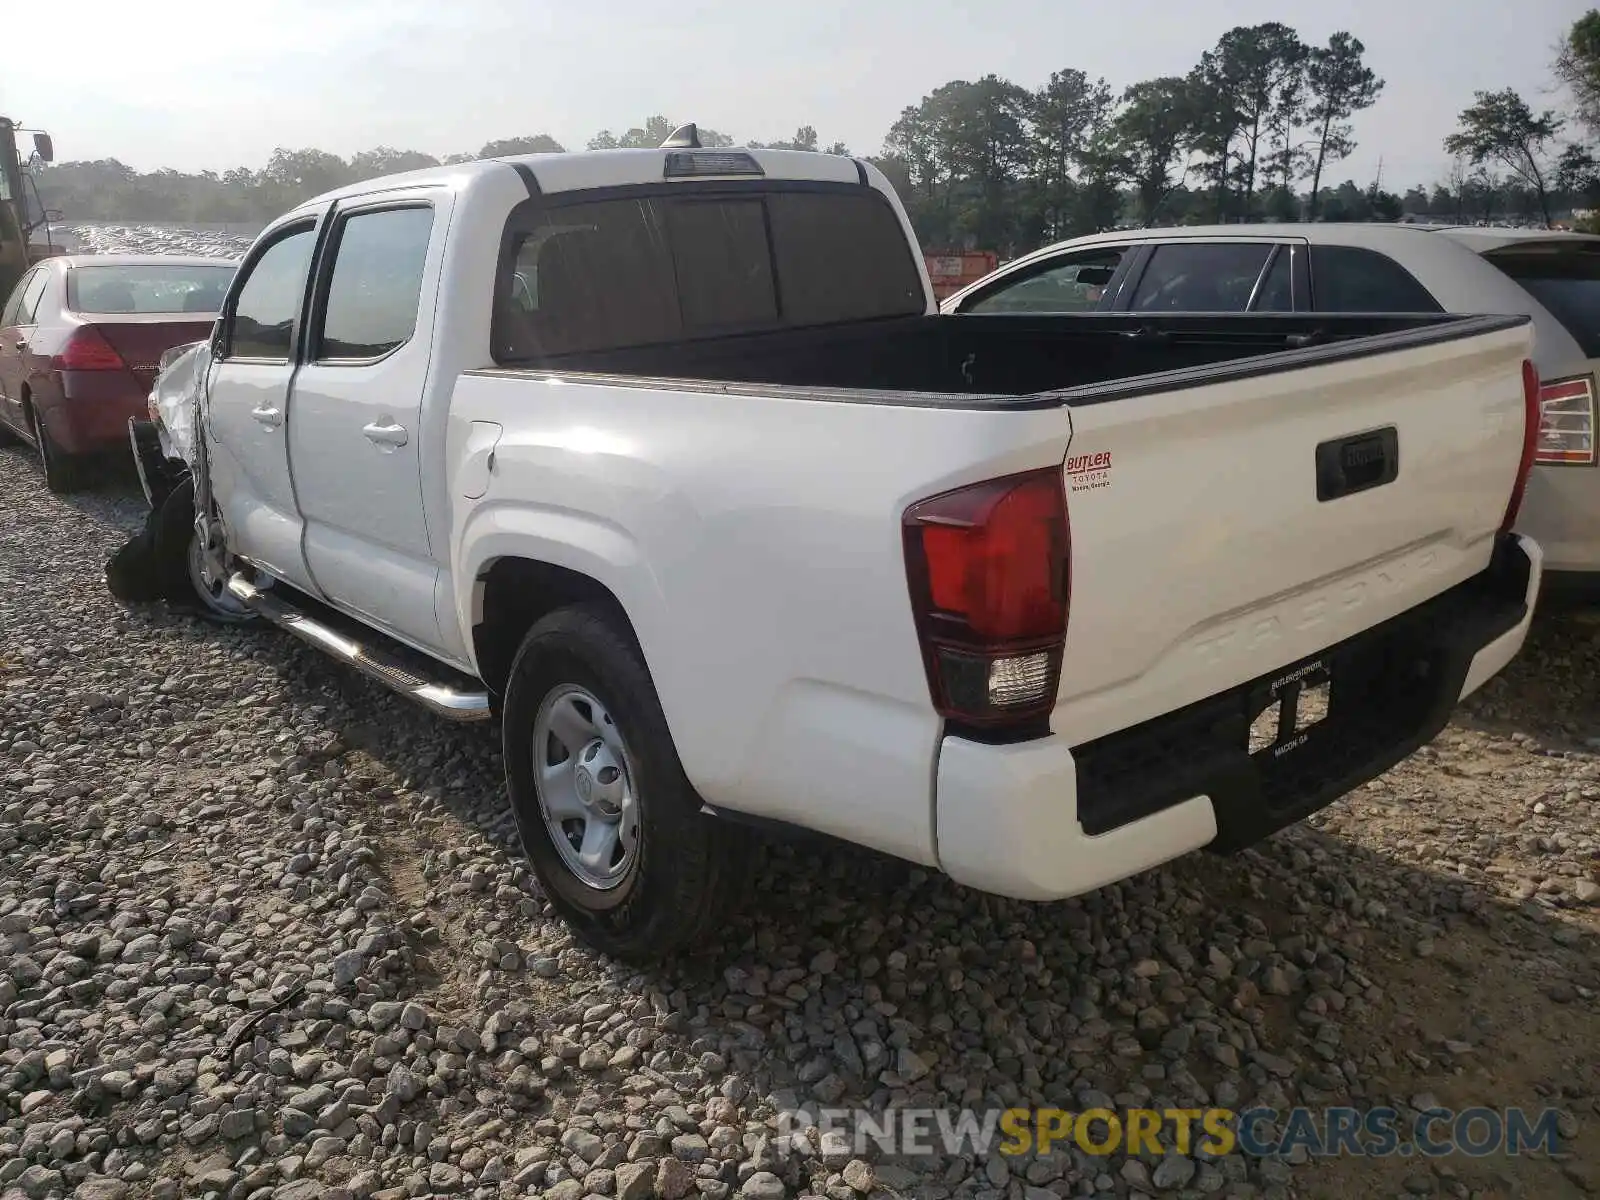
584	780
221	602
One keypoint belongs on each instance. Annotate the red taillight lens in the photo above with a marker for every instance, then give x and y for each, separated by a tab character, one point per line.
88	350
1530	442
988	567
1566	422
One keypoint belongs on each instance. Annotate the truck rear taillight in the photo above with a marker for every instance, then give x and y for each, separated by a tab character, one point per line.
87	350
1530	443
1566	422
989	569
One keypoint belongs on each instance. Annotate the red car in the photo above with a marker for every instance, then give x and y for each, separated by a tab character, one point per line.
80	339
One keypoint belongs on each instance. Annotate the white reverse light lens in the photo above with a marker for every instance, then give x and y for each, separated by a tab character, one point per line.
1018	680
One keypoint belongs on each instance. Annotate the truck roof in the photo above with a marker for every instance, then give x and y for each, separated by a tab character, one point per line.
586	169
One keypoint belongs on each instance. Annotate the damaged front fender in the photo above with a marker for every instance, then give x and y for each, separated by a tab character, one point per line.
173	399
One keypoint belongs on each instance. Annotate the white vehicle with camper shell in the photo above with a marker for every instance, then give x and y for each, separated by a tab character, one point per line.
666	460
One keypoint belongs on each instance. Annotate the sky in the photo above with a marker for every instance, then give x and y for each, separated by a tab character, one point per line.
193	86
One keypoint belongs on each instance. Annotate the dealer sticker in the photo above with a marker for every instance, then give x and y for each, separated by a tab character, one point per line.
1088	472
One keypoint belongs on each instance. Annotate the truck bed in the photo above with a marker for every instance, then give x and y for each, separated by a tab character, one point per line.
1007	355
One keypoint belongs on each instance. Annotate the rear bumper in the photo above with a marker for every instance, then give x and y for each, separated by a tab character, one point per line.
1041	820
93	412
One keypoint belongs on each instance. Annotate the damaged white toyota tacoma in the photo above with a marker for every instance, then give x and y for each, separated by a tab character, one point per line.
666	460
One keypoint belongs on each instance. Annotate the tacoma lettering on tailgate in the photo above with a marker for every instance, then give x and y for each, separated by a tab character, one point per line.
1298	614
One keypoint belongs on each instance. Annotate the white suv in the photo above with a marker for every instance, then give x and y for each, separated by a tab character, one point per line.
1339	268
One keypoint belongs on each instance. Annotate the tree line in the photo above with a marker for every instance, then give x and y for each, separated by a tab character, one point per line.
1251	133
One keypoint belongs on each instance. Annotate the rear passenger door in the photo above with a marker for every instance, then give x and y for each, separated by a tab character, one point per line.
1217	275
355	438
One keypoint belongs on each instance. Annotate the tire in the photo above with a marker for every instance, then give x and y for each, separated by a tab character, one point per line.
671	889
60	468
177	563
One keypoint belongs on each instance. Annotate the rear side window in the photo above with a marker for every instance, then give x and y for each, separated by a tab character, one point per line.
1565	278
610	274
1201	277
1076	283
1353	279
269	299
376	285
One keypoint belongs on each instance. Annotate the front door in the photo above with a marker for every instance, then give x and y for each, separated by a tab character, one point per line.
249	403
356	433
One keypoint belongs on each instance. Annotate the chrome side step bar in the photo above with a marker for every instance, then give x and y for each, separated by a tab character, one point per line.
450	703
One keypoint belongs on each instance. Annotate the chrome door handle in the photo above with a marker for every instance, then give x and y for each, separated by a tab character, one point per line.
388	434
271	417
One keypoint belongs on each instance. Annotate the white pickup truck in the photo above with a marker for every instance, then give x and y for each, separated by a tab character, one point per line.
666	459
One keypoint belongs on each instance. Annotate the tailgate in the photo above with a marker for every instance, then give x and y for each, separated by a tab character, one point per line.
1204	556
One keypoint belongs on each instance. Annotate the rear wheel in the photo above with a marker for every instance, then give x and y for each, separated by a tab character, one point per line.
608	819
60	468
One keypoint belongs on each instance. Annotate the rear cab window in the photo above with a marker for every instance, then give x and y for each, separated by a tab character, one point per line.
1565	278
662	264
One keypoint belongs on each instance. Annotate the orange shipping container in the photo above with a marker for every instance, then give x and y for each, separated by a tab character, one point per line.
951	271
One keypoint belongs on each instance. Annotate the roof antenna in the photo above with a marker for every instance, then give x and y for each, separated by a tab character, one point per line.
684	137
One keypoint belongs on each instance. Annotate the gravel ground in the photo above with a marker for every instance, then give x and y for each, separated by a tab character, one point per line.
264	932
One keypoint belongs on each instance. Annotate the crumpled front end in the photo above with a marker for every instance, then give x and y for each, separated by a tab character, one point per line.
173	398
163	442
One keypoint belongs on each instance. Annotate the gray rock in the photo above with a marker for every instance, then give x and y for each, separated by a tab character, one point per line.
1173	1172
690	1147
384	1013
635	1180
1136	1175
763	1185
142	949
674	1179
858	1175
403	1085
583	1143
